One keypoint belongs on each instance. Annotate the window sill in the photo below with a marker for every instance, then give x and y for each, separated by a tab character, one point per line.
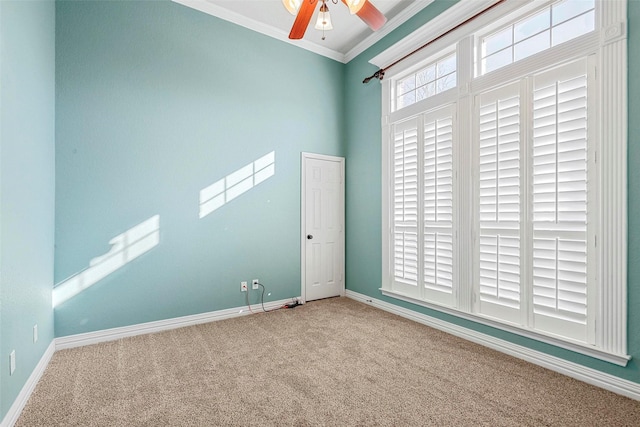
617	359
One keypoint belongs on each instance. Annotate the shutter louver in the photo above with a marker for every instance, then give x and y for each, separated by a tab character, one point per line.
405	203
406	177
560	199
499	204
438	203
406	256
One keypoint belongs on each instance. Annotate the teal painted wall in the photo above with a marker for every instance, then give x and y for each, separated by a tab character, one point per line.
154	102
26	188
363	229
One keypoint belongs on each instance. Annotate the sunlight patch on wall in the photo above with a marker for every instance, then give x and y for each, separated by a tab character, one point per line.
236	183
124	248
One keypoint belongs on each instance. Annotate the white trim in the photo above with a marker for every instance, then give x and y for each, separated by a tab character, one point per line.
582	373
613	135
391	25
113	334
259	27
270	31
23	397
303	226
591	376
616	359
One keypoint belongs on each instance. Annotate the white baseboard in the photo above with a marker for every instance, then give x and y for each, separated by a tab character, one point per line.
588	375
116	333
574	370
113	334
18	405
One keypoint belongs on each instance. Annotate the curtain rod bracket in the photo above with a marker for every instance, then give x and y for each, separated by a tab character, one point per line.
377	75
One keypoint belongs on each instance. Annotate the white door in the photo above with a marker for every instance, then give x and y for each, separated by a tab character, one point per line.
322	226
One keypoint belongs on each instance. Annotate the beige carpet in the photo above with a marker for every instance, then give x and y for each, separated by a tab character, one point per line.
334	362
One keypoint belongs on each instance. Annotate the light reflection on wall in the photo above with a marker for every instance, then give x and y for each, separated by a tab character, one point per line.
236	183
125	248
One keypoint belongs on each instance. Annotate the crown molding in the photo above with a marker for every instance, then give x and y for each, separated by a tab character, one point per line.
259	27
390	26
270	31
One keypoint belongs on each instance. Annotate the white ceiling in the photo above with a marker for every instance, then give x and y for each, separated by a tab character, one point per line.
349	37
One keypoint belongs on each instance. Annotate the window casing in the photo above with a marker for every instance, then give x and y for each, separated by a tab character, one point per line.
504	185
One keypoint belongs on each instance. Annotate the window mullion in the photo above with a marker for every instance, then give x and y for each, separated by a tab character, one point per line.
474	195
421	206
526	218
463	179
594	333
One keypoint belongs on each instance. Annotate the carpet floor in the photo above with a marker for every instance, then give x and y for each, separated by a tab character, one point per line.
334	362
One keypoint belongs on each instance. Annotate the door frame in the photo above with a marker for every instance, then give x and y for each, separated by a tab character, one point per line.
303	226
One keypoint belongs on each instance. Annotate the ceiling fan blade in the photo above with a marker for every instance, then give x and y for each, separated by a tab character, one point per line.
371	16
302	19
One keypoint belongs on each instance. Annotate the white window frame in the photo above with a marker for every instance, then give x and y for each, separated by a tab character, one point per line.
608	44
415	70
530	9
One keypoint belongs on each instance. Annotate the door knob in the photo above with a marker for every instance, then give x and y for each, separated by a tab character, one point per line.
309	236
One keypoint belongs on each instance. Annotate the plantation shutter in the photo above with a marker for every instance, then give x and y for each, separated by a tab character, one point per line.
560	201
504	198
438	206
405	207
499	137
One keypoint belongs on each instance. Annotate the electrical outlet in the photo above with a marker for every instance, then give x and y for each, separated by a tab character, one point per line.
254	284
12	362
35	333
243	286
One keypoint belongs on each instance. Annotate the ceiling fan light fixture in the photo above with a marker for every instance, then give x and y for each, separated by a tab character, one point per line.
324	19
367	12
293	6
355	5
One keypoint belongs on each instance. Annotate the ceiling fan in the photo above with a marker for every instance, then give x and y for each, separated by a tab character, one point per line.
303	9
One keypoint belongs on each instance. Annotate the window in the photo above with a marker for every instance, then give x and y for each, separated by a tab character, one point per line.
405	213
423	205
494	191
499	138
551	26
560	144
556	166
431	80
